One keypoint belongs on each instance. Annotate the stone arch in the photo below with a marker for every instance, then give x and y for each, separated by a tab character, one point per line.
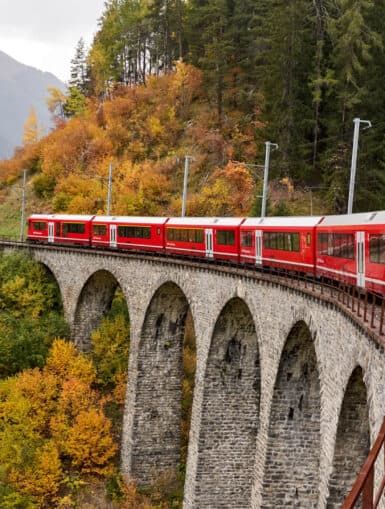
157	434
352	441
54	277
94	301
230	411
293	448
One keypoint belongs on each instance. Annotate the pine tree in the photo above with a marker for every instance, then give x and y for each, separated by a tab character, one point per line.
286	75
79	69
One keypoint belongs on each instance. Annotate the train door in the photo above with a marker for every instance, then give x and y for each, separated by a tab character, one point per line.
209	243
51	230
258	247
113	235
360	249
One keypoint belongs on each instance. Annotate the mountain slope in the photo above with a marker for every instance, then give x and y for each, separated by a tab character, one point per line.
21	87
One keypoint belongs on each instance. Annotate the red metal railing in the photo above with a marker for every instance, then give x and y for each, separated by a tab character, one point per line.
364	485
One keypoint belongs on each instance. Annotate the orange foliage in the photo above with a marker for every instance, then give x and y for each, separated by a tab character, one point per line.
90	444
228	192
44	479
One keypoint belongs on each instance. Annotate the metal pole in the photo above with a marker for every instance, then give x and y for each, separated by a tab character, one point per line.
22	225
266	176
311	202
185	180
109	190
357	123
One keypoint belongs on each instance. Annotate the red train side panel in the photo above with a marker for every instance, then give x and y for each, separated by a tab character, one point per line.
281	242
129	232
206	237
60	229
351	248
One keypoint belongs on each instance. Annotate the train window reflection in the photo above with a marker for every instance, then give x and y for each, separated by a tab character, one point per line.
339	245
377	248
247	239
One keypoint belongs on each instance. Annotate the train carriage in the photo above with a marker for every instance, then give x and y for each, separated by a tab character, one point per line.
207	237
280	242
128	232
60	229
351	249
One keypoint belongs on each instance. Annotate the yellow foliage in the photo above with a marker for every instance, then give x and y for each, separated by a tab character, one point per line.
66	363
48	415
90	444
44	479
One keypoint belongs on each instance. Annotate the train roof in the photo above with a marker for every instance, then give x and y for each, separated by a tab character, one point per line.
62	217
361	218
282	221
131	219
205	221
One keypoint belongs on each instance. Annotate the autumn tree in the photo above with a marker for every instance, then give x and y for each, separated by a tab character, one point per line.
55	102
32	133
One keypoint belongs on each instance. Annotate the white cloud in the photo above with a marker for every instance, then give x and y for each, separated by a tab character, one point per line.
44	33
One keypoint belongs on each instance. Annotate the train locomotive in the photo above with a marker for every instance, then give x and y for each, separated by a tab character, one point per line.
346	248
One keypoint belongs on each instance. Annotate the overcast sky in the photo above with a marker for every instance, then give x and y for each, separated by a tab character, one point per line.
44	33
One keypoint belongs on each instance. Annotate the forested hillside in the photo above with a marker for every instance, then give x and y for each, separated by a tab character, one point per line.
215	79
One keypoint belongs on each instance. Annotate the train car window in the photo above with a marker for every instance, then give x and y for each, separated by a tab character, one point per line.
226	237
247	239
281	241
73	228
134	232
377	248
57	229
39	225
99	229
158	231
342	245
339	245
323	243
308	239
193	235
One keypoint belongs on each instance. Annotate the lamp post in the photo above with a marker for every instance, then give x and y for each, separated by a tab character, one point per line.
185	181
357	124
109	191
22	220
266	176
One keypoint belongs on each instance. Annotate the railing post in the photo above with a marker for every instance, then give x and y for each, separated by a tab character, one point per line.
365	306
373	313
382	316
359	305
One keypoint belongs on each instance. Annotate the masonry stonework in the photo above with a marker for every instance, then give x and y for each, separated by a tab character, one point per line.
246	348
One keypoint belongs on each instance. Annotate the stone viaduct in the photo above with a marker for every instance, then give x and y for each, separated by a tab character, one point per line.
289	391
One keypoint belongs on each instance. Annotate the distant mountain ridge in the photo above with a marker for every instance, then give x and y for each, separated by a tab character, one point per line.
21	87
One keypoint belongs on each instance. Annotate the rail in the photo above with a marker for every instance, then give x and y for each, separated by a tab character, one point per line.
366	309
364	485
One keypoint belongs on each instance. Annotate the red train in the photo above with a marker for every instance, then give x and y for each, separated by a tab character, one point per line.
347	248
